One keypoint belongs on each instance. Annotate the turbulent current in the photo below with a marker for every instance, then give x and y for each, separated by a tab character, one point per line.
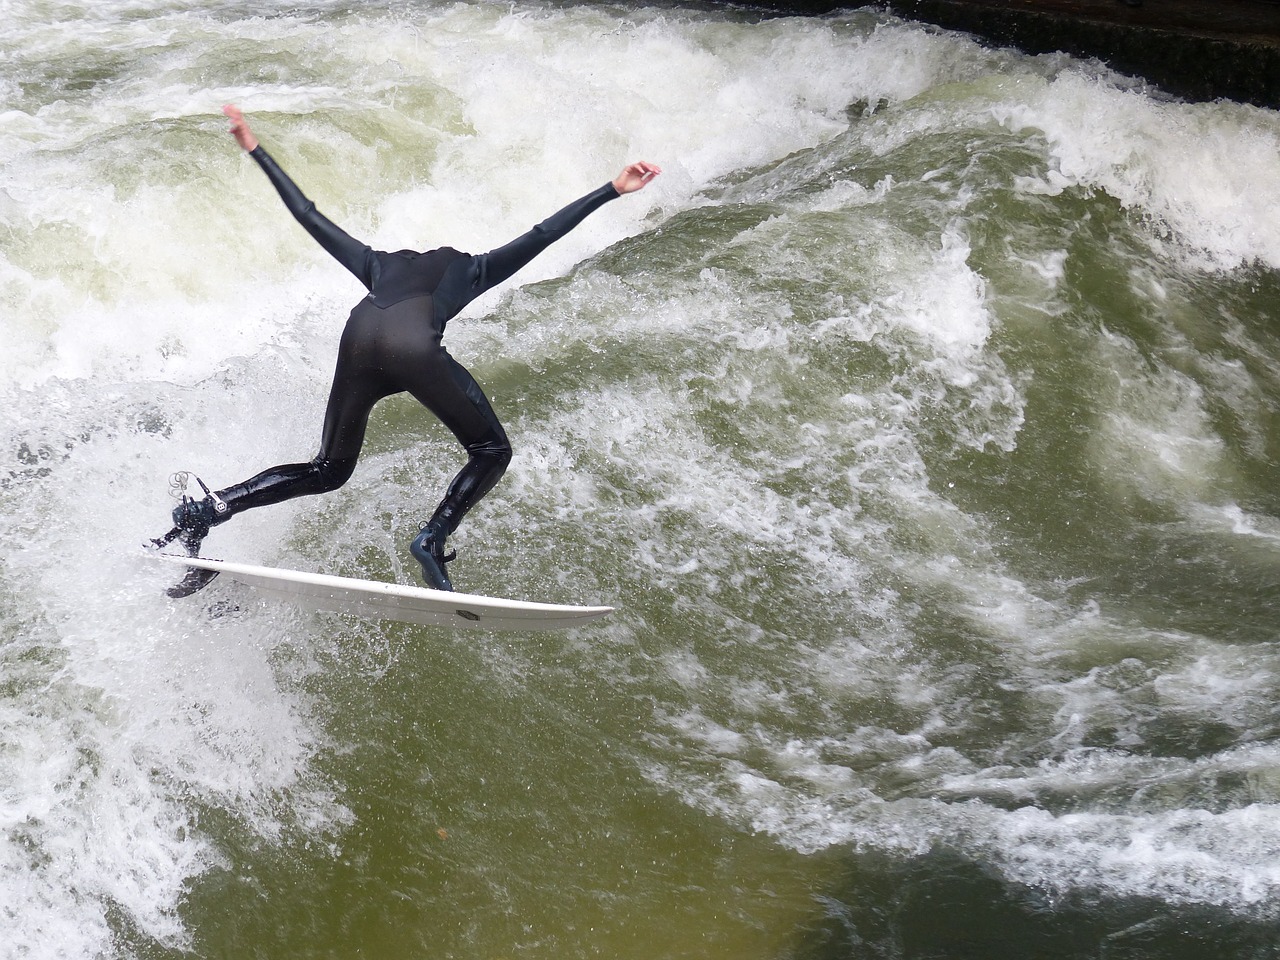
922	422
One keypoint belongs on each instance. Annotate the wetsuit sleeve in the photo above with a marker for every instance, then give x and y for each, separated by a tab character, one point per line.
351	253
494	267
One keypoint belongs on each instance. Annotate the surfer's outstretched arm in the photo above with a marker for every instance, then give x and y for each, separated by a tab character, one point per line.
351	253
498	265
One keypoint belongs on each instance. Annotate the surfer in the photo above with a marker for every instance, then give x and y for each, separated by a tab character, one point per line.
392	343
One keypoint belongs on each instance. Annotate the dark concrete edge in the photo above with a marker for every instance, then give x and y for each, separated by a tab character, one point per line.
1185	65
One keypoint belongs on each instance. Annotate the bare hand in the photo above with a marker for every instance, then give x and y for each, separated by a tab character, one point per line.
240	127
634	176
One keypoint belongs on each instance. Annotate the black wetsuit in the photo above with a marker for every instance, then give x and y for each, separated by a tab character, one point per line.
392	344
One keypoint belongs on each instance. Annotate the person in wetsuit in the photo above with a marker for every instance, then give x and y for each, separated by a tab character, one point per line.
392	344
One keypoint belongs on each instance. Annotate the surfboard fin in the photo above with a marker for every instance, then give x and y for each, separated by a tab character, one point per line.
196	579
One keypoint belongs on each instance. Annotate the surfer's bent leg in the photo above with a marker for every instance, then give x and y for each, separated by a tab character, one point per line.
488	451
357	386
286	481
448	390
462	406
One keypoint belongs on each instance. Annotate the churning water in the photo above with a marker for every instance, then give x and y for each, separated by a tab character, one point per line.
922	421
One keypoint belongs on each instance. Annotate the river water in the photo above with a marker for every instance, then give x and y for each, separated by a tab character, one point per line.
922	421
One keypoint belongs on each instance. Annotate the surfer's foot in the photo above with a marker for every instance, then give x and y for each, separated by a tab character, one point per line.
428	549
192	518
196	579
191	523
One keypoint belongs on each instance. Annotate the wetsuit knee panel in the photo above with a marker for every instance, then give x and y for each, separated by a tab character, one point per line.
333	473
497	450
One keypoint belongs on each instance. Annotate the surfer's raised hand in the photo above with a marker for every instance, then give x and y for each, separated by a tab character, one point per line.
240	128
634	176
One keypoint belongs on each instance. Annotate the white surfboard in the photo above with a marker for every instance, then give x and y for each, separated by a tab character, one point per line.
392	601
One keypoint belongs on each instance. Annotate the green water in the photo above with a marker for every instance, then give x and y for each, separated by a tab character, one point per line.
920	422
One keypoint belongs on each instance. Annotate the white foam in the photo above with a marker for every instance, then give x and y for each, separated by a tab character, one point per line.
163	311
1158	438
1166	160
